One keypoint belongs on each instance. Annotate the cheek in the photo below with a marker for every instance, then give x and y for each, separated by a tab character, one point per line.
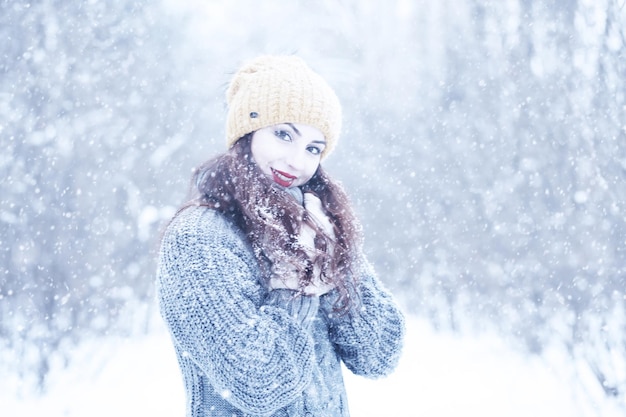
260	153
309	171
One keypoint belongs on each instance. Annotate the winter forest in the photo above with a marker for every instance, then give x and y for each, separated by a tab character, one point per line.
484	147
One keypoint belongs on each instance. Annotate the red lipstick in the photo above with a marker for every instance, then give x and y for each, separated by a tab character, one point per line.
282	178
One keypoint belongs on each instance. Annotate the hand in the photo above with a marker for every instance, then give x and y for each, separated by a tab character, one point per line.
313	206
286	276
317	287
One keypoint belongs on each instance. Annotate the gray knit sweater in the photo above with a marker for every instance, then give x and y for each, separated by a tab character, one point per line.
247	351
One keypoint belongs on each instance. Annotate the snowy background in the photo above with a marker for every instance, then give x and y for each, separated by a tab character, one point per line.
484	148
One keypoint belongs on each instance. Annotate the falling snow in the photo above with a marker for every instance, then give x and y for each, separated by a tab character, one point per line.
482	146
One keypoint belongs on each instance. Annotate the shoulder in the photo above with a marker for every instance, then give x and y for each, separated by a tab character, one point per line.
202	224
197	218
202	240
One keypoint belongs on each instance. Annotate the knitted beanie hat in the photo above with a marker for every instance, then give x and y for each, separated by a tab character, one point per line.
270	90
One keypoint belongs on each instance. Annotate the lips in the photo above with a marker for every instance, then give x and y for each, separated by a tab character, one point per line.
282	178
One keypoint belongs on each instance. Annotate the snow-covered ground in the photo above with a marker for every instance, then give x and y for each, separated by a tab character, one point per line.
440	374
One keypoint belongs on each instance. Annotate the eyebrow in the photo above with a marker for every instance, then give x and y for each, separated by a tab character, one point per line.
295	129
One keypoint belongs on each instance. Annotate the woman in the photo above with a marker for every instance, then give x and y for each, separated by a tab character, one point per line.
261	279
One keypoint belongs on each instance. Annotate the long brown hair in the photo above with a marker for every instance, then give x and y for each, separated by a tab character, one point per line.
271	219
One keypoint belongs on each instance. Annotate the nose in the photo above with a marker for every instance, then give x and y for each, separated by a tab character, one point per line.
295	158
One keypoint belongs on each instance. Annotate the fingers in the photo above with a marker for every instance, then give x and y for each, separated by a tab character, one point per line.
318	289
313	206
312	202
288	278
284	276
279	283
307	238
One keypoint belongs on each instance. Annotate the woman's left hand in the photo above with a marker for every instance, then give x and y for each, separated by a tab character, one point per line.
286	277
313	206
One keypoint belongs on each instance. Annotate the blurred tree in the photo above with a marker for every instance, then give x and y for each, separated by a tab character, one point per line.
483	147
87	105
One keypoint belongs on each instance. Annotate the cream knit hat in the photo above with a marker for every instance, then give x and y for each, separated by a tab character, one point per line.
270	90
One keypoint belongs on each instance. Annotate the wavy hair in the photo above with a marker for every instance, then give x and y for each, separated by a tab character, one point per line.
271	218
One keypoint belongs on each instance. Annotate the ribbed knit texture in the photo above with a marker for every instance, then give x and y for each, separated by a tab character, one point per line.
244	351
274	89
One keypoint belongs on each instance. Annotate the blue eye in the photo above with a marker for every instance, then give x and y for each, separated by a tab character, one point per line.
314	150
283	135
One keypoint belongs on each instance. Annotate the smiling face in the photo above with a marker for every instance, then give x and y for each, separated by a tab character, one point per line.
288	153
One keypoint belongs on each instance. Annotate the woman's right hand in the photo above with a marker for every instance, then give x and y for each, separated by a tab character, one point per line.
283	278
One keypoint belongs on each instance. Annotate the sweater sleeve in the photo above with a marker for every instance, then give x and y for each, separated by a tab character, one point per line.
369	337
253	346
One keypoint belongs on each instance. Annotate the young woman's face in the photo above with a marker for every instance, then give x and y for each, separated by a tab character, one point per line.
288	153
